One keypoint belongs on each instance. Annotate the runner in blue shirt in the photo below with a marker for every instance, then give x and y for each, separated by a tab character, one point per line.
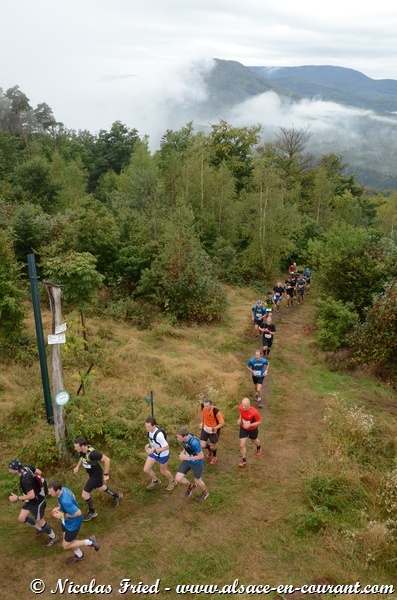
192	457
70	514
258	314
259	368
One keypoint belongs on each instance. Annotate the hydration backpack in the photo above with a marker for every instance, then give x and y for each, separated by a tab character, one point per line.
39	483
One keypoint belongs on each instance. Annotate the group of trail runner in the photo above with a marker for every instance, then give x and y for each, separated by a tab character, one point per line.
195	449
296	285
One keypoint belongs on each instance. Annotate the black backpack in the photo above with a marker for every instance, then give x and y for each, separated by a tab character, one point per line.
158	430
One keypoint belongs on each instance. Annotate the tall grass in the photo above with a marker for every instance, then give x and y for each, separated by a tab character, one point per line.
319	503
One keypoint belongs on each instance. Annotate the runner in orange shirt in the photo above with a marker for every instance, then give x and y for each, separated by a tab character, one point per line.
211	423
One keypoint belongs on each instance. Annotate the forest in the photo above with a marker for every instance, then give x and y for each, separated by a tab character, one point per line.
130	233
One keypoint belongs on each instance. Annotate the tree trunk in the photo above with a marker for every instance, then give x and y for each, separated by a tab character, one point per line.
54	294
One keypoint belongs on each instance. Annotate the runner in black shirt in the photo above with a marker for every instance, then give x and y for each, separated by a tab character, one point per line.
33	497
290	285
278	295
90	459
267	331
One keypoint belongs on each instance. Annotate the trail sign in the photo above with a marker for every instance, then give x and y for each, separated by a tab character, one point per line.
61	328
62	398
57	339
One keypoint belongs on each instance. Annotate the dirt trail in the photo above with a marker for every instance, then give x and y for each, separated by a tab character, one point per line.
290	417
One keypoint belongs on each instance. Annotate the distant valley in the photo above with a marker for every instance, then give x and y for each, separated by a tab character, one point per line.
347	112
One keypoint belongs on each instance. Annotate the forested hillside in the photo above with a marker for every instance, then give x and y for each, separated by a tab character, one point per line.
160	256
163	231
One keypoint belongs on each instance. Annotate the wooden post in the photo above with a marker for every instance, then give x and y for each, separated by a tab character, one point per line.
54	294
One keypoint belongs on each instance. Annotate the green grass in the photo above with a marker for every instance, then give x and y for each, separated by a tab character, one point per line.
303	510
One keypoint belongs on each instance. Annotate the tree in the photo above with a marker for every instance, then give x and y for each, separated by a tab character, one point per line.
180	280
234	146
375	339
387	213
289	154
269	223
11	153
21	108
45	121
35	179
90	227
335	320
12	311
112	151
173	148
75	272
347	261
31	227
71	180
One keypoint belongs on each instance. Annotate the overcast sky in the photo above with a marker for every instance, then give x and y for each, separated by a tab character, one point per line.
98	61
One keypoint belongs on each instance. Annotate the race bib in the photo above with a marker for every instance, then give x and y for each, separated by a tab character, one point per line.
207	429
245	424
259	315
257	373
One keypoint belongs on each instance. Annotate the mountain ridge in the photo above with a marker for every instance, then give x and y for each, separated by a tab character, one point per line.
364	132
338	84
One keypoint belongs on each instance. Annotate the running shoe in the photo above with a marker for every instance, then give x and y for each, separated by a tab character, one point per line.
51	541
242	463
190	490
204	496
209	453
116	499
95	543
153	484
258	451
213	460
74	558
90	515
171	485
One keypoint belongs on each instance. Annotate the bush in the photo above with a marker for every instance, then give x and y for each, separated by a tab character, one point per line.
375	340
335	320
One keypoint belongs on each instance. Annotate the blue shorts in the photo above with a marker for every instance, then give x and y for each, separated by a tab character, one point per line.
196	466
160	459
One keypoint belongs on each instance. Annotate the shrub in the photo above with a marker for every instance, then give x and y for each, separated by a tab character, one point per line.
375	340
335	320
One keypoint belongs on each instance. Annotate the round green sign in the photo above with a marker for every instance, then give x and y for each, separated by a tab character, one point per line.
62	398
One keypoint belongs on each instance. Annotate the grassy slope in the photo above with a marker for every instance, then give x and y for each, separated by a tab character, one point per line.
247	527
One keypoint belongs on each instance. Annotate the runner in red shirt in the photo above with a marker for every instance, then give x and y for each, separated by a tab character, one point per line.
248	420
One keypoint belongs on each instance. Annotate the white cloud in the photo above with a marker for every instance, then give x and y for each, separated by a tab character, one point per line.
95	62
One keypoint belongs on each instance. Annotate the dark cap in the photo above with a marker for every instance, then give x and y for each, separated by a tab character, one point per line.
15	465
